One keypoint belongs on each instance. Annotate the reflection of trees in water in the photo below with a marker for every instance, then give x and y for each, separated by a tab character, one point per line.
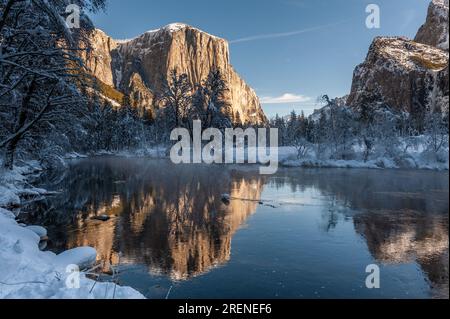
168	217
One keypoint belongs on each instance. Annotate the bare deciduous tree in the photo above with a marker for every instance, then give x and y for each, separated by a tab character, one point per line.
39	68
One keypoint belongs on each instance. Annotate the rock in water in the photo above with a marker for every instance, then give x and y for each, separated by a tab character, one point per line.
226	199
137	67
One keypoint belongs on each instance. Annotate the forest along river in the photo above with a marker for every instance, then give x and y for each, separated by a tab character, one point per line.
302	233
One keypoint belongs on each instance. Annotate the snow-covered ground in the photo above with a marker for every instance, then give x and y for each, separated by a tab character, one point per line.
408	154
414	156
29	273
411	160
152	152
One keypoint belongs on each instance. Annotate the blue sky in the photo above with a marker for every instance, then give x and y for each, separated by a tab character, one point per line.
289	51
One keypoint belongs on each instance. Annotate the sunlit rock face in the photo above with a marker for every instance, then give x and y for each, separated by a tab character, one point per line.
409	76
435	30
98	57
405	74
137	67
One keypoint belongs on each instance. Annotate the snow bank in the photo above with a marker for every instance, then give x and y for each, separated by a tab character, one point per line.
83	257
38	230
8	198
29	273
415	158
152	152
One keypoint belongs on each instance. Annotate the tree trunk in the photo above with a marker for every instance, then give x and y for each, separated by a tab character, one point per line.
5	13
9	154
12	144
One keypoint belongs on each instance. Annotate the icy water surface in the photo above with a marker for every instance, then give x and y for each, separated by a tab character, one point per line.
302	233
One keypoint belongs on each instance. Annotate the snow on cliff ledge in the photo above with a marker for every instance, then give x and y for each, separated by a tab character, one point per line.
170	28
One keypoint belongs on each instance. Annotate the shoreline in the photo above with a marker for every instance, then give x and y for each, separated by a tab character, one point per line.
288	159
31	273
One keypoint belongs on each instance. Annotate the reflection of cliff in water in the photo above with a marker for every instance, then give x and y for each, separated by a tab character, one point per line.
402	219
408	236
169	217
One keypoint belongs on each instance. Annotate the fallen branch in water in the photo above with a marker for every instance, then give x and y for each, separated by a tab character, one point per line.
268	202
168	293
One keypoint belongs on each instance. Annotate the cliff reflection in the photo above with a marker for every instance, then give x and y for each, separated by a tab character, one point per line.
170	218
402	219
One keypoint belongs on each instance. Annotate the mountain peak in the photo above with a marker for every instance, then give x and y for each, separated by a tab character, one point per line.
167	29
434	31
406	54
138	67
173	27
402	72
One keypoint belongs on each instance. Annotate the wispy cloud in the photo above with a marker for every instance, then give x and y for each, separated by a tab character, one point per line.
285	34
285	98
408	17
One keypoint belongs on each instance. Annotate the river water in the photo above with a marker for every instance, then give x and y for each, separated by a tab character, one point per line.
301	233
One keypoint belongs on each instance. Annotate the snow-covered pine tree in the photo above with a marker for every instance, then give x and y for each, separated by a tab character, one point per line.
209	104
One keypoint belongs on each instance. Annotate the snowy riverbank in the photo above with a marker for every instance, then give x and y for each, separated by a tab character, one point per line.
26	271
403	153
151	152
406	157
411	160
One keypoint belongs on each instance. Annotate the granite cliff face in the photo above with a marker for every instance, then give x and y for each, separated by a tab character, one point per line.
138	67
435	30
408	75
98	58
